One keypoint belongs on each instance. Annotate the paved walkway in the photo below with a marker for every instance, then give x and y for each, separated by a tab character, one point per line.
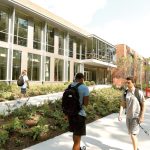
104	134
37	100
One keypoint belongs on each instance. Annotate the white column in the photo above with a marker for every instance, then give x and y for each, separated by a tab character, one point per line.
10	43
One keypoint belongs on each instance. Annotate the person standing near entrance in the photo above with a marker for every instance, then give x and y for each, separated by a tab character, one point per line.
25	83
77	121
135	108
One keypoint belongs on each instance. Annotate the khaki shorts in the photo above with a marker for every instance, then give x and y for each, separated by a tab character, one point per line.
133	125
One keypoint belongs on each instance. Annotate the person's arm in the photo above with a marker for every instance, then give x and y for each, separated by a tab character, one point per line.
27	84
141	117
85	100
27	81
86	96
122	106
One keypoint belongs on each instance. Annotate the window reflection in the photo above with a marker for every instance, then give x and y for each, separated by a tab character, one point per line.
59	65
61	43
47	69
16	64
37	36
20	31
34	63
3	26
50	39
3	63
70	46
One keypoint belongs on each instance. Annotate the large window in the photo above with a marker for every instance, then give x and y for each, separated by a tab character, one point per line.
16	64
47	69
70	46
34	67
37	36
61	43
59	65
3	25
3	63
78	49
50	39
21	31
76	68
68	70
83	51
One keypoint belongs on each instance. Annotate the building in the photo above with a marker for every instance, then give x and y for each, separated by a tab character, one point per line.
49	47
129	64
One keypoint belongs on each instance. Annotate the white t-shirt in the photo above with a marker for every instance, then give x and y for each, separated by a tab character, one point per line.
132	104
25	78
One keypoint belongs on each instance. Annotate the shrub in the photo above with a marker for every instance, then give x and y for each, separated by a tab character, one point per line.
92	83
87	83
3	137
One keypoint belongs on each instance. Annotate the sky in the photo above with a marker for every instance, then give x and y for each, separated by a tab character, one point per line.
116	21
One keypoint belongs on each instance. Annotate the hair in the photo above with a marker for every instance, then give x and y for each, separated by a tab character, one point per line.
79	76
131	78
23	71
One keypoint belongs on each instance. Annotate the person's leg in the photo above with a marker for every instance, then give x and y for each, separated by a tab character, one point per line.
79	129
134	132
134	141
23	92
76	142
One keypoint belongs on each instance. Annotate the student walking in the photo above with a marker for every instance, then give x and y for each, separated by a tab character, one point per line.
77	118
134	102
24	83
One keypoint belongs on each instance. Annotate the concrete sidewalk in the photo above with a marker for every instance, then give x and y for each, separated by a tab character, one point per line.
38	100
104	134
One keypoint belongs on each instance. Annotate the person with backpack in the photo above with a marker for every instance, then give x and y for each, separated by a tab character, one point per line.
23	82
134	102
75	97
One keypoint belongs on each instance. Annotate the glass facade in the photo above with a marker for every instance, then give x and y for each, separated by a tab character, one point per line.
83	51
34	67
99	50
59	65
68	70
3	63
70	46
47	69
76	68
50	39
37	36
3	25
21	30
16	64
61	43
78	49
43	45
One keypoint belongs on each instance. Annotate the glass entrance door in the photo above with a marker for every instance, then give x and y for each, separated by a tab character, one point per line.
88	75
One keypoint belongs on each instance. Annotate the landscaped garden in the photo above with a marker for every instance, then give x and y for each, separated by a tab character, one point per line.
28	125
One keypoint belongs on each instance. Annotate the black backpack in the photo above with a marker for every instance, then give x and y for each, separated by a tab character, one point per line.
20	81
70	100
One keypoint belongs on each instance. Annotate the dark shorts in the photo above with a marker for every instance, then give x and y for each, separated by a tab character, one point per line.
77	125
23	90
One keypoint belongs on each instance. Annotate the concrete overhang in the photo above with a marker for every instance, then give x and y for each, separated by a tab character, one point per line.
94	62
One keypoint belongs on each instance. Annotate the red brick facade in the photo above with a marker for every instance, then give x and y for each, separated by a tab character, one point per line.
129	63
